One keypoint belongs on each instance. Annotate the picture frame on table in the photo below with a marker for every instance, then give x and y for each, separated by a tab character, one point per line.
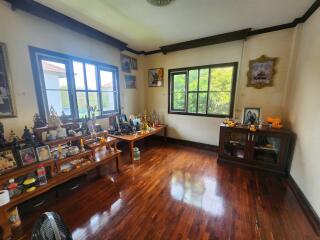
251	115
43	153
27	156
7	161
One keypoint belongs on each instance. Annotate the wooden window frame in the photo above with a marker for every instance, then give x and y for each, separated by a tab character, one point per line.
172	72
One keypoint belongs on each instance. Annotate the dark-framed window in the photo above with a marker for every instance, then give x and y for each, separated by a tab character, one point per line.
71	84
203	90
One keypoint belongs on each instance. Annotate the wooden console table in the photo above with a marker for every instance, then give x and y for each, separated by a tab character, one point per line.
131	139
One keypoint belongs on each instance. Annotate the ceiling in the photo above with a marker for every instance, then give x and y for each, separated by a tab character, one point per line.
146	27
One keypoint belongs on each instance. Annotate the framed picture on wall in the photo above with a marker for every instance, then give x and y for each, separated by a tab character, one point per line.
155	77
261	72
251	115
7	108
130	81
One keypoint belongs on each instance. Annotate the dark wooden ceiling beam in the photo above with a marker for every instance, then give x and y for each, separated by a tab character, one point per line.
51	15
221	38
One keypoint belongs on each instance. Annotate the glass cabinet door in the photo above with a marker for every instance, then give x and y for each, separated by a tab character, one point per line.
235	144
266	148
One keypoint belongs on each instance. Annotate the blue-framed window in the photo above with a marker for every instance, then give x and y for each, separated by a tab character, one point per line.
71	85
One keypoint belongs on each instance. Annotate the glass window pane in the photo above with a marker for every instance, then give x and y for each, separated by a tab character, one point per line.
106	80
91	77
202	103
82	104
78	75
179	82
59	100
219	103
179	101
193	80
55	76
221	79
108	103
192	102
203	79
94	101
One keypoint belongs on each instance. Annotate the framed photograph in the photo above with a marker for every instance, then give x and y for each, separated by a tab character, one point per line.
133	63
125	63
7	108
27	156
43	153
130	81
7	161
251	115
155	77
261	72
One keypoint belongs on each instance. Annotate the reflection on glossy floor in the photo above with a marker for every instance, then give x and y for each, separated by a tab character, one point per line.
182	193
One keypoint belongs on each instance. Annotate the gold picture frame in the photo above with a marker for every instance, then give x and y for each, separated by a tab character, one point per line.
261	72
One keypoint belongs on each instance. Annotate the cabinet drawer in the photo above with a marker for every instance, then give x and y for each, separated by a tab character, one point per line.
37	204
71	186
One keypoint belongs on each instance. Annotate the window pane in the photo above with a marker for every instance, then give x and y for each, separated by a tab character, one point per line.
94	101
193	80
78	75
82	104
219	103
108	103
55	76
202	103
192	102
106	80
59	100
91	77
203	79
179	101
221	79
179	82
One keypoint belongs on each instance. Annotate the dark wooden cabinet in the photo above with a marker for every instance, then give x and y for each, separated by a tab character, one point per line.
267	149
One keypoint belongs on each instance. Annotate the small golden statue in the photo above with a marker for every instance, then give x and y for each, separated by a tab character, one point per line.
53	119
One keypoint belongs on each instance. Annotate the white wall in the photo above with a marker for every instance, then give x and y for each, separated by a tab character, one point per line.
193	128
269	99
303	109
19	30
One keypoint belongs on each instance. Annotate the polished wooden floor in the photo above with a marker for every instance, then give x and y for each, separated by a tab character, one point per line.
179	192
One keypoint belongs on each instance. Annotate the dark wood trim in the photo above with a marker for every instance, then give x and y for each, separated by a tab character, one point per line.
221	38
237	35
51	15
305	205
187	69
209	147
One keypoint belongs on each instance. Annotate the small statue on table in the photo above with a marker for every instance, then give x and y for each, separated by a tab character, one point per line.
53	119
38	121
3	141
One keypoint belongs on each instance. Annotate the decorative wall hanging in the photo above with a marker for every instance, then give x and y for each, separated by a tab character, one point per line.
261	72
130	81
7	108
128	63
155	77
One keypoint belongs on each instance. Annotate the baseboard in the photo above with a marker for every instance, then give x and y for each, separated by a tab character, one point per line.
305	205
204	146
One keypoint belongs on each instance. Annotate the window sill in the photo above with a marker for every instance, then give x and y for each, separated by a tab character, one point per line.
201	115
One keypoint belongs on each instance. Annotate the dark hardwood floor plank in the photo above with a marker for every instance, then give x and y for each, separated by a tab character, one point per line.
180	192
